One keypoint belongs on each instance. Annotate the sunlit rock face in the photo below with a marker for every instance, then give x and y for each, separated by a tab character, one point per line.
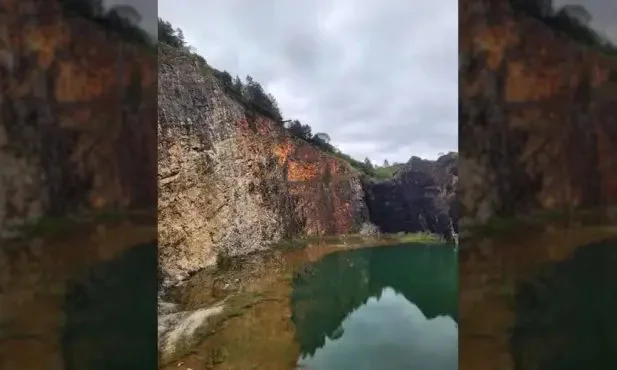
232	181
537	116
77	117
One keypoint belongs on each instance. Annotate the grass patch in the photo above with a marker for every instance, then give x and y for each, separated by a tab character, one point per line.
538	221
302	242
417	238
54	226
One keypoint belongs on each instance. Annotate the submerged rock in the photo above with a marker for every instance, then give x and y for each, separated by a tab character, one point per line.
180	331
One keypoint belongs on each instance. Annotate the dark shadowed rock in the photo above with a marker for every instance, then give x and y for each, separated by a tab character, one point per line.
421	197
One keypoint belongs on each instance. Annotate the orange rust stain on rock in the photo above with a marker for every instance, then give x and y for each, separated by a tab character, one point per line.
75	84
301	171
495	40
522	84
45	40
282	151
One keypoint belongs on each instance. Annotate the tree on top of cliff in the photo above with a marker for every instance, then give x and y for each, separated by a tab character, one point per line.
254	93
127	13
170	35
576	13
322	137
571	20
225	78
121	19
237	85
296	128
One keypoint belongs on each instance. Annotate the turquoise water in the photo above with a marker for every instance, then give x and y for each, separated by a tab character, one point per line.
379	308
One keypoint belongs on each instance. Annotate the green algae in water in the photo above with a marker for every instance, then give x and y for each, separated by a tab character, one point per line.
379	308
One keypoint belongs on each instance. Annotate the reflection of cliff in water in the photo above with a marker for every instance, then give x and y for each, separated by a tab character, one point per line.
566	318
327	291
111	314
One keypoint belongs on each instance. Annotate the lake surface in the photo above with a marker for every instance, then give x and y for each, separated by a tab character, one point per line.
540	301
385	307
378	308
80	301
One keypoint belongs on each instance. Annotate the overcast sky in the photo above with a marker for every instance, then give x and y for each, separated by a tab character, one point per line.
603	14
380	77
147	9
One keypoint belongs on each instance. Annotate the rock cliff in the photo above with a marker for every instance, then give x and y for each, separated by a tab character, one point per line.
231	180
420	197
77	117
537	117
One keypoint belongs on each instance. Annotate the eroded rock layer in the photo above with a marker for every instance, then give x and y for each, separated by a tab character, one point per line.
537	121
232	181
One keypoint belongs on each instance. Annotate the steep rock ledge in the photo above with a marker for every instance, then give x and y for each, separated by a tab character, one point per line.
77	119
537	116
421	197
232	181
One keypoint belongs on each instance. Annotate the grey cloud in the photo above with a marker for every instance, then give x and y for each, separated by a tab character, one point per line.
147	9
603	15
379	77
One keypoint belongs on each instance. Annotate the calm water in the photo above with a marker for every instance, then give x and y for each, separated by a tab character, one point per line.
86	301
546	301
378	308
110	320
571	308
331	307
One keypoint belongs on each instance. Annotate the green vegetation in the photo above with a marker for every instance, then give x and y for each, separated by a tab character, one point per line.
249	91
252	94
121	19
513	226
425	238
357	239
56	226
571	20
